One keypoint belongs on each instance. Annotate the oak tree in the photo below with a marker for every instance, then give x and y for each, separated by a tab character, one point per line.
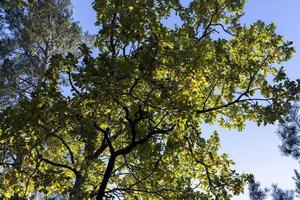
130	128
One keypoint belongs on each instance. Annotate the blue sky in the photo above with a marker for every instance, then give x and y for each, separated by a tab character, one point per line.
255	150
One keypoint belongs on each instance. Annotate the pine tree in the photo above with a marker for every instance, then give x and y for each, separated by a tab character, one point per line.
289	133
280	194
29	37
255	190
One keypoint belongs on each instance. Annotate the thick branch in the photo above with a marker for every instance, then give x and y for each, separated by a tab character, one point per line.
107	174
106	136
123	151
57	164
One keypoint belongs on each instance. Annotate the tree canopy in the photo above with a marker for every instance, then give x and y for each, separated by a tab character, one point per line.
258	193
130	127
29	37
289	133
255	190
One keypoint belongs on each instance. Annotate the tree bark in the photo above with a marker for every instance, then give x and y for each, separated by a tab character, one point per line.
107	174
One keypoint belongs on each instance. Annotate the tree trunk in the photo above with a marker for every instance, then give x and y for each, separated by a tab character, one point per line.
107	174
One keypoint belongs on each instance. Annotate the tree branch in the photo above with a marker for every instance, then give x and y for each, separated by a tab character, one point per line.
67	146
